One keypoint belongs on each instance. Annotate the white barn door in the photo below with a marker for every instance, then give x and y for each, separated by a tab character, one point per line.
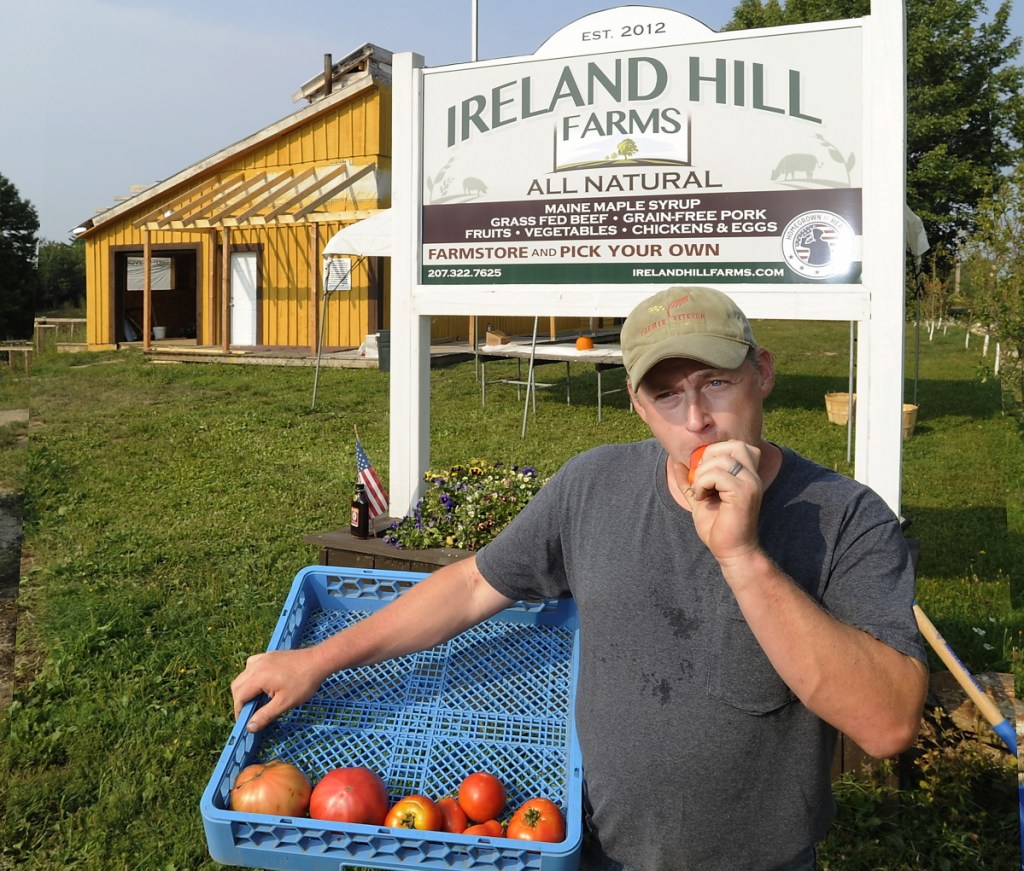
243	298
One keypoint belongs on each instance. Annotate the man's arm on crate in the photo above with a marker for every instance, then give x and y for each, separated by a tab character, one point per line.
439	607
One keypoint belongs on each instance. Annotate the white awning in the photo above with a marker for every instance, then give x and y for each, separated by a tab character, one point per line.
368	238
913	228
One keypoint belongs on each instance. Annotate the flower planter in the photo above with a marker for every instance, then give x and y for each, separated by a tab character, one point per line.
340	548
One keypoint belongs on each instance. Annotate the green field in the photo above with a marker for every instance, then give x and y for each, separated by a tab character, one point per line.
165	507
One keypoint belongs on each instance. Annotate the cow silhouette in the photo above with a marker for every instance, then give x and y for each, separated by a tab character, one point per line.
794	163
472	185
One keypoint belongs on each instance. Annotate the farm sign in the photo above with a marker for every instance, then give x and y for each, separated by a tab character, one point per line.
728	162
636	150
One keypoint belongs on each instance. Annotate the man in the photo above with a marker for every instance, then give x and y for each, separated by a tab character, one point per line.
728	626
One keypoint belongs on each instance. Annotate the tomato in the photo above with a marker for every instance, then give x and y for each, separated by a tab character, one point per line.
490	829
537	820
275	787
350	795
482	796
415	812
694	462
455	820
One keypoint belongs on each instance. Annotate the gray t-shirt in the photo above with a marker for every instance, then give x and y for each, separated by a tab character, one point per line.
696	754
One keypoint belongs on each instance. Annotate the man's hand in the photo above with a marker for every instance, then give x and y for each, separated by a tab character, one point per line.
288	677
725	498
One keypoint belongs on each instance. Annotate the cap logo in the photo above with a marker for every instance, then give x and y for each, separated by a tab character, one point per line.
670	316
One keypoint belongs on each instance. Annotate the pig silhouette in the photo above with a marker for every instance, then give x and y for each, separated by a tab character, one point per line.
472	185
794	163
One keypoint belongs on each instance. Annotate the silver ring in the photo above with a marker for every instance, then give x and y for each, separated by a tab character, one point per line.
736	469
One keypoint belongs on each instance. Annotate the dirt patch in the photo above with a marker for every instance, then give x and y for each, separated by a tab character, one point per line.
10	570
10	577
13	415
8	635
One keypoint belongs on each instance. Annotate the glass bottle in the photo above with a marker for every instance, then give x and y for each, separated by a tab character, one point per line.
360	525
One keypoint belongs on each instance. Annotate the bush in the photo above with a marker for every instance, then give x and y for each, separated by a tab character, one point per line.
957	808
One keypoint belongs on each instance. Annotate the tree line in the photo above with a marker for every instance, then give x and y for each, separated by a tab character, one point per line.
35	276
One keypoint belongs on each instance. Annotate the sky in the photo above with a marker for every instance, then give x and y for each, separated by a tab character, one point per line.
98	96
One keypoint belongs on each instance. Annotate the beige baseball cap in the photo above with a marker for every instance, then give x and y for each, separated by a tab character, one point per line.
696	323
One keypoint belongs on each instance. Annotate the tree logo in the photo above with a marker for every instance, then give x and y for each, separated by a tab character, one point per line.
818	245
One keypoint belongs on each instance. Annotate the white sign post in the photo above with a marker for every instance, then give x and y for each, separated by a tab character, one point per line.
637	150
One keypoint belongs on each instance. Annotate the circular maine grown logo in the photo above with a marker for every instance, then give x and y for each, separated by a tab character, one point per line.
818	245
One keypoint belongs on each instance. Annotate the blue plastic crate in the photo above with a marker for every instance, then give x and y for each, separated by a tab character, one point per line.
498	698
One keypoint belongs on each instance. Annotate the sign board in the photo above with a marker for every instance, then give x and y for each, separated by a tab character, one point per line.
337	274
728	161
637	150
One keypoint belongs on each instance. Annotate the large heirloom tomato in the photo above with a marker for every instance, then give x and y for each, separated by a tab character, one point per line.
416	812
482	796
275	787
537	820
350	795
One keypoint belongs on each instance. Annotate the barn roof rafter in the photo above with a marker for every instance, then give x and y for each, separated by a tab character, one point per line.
284	197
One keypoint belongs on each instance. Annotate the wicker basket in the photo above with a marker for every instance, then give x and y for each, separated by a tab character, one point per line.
838	407
909	420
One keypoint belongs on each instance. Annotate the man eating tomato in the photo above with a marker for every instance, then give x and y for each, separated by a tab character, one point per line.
730	626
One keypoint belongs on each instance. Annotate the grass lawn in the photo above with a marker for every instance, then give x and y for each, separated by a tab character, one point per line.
165	507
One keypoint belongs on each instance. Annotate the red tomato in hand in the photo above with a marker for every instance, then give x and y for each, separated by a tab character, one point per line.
455	819
537	820
490	829
350	795
415	812
482	796
694	462
276	787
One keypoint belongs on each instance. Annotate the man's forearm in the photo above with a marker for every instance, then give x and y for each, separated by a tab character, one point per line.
448	602
866	689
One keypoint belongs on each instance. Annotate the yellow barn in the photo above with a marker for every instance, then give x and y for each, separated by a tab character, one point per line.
228	251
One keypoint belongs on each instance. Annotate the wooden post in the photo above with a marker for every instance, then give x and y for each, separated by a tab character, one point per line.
206	330
147	289
225	292
314	274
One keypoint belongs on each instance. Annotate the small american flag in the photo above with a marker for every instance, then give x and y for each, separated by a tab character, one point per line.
375	491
